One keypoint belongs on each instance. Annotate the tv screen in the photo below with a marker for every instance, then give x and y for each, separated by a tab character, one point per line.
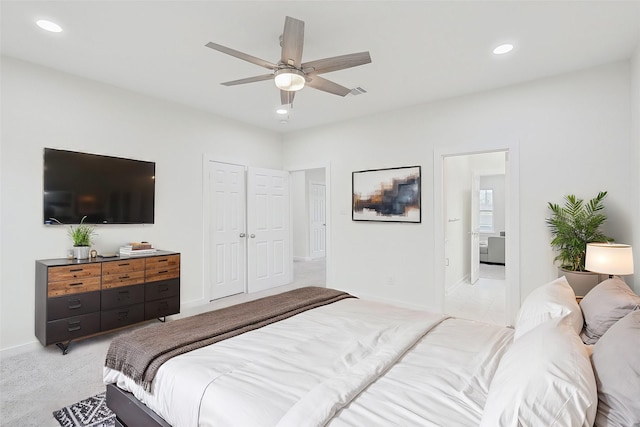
104	189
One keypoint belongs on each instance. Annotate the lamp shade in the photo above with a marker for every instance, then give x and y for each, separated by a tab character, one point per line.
609	258
289	79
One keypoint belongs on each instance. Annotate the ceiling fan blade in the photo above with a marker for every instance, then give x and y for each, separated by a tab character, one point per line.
325	85
241	55
248	80
286	97
292	41
336	63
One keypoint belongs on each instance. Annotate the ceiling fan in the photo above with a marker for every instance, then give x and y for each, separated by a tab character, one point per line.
290	73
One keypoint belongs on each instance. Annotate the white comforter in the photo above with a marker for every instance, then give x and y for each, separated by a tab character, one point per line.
350	363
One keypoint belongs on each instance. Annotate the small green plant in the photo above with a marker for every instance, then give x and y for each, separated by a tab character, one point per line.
573	226
82	234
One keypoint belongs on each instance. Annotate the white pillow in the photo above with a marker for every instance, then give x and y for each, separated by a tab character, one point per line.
544	379
604	305
552	300
616	362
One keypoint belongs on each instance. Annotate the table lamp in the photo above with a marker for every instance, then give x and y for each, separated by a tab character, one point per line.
614	259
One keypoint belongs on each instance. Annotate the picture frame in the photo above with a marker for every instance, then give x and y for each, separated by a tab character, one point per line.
387	195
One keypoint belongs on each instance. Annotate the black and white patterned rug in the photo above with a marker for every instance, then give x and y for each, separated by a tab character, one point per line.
91	412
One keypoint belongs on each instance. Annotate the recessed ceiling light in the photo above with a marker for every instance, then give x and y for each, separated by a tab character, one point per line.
503	48
48	25
282	111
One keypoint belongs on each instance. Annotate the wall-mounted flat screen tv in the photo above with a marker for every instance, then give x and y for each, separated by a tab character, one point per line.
104	189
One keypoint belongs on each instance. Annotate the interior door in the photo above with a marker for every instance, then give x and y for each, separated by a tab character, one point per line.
268	245
475	229
317	220
225	264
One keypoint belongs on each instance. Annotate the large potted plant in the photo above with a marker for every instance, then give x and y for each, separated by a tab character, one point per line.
81	237
572	226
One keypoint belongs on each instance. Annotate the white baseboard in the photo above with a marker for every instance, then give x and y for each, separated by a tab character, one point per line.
301	258
449	289
19	349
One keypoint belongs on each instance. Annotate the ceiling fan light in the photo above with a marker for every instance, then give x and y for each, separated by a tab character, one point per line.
289	79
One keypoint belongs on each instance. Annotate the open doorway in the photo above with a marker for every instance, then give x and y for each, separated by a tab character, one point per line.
474	196
309	226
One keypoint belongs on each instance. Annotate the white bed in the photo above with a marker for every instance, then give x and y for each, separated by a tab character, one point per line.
302	370
356	363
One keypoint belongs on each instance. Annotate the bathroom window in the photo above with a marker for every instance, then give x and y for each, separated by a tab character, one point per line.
485	220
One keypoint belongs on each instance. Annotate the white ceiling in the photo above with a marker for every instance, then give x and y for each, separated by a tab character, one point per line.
421	50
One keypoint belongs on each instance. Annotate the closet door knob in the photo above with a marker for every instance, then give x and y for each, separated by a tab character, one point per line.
252	236
242	235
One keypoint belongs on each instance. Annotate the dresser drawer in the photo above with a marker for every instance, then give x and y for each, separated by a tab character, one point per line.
122	279
73	305
73	286
72	328
72	272
161	308
122	266
162	268
120	297
123	316
160	262
161	290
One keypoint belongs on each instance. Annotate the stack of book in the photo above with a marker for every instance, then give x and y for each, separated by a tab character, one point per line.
135	248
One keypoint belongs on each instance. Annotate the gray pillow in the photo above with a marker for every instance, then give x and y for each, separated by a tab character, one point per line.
616	364
604	305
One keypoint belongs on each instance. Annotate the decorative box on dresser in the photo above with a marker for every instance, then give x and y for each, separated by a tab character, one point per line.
78	298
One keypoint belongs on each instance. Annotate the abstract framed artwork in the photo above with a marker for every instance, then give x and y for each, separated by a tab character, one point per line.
389	195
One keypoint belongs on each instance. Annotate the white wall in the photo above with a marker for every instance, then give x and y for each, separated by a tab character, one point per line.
43	108
569	129
635	159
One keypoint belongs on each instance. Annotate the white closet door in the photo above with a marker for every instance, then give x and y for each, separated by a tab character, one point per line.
269	253
225	264
318	226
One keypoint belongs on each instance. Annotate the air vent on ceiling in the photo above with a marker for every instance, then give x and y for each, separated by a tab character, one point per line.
357	91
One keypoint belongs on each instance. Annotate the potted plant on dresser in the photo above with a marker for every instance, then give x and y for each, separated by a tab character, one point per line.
572	226
81	237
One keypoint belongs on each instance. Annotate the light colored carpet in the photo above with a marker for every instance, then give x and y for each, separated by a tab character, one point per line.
36	383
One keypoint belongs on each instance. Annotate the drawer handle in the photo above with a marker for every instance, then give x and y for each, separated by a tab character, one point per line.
75	269
163	288
123	292
163	271
76	326
123	264
74	304
126	276
164	260
76	284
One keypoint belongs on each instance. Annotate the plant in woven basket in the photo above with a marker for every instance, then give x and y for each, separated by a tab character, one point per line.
573	225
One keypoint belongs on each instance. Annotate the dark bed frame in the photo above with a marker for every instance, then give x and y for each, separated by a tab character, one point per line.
130	412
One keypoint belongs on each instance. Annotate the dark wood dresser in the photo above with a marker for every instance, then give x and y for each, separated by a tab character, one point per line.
78	298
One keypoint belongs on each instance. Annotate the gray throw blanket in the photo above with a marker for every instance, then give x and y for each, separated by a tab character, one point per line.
140	353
